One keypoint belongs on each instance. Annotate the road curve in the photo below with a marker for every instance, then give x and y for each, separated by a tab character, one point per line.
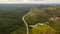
26	22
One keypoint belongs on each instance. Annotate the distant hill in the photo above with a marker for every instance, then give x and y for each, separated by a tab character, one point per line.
26	5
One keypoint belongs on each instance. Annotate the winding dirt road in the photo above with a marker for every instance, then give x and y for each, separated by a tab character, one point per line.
26	22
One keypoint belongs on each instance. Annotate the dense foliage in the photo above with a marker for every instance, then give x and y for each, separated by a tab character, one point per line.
11	20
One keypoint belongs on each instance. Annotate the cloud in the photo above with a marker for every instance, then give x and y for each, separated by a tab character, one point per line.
31	1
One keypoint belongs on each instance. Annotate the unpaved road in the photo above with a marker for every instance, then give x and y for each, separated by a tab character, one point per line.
26	22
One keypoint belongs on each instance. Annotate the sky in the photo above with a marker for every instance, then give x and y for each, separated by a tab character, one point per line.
30	1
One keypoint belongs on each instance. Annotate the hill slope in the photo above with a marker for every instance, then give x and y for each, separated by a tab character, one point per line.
43	15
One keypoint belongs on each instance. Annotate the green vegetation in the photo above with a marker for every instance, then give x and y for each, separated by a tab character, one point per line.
37	15
45	29
11	20
43	15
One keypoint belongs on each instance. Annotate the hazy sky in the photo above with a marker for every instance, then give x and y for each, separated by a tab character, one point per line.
31	1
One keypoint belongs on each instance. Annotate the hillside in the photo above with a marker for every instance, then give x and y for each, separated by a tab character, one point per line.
43	29
44	15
